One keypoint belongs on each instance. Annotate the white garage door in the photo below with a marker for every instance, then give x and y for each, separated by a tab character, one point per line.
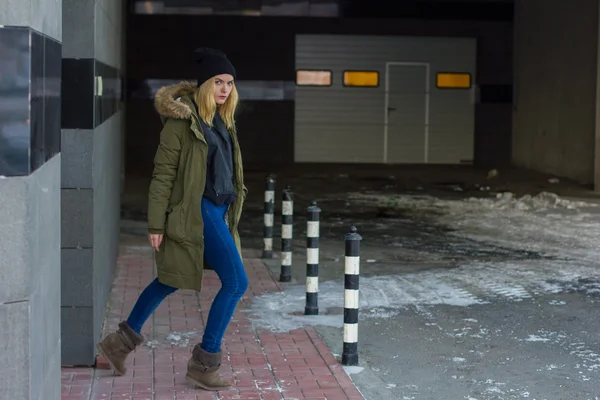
337	121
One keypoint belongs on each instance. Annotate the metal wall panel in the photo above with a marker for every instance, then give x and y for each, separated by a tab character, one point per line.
347	124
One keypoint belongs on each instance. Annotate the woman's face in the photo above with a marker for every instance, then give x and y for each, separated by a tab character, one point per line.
223	86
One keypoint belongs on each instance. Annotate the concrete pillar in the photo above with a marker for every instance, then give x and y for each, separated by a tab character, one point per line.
555	76
30	163
597	110
92	129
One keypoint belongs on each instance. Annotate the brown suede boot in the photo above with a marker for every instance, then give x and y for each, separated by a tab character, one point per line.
116	347
203	370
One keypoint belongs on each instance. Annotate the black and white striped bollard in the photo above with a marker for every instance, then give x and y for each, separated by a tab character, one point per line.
287	215
312	260
352	273
269	217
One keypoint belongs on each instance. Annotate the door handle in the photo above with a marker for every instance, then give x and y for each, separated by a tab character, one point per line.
391	109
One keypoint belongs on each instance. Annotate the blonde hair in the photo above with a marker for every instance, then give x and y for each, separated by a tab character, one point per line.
207	106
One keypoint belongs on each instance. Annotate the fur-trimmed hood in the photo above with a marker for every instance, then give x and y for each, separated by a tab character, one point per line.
169	104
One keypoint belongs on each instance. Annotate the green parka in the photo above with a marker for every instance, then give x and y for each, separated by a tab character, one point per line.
177	188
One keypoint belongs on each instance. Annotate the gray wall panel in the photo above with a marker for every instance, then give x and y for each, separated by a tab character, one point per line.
14	342
77	327
76	277
45	278
108	32
77	218
44	16
77	31
107	199
77	154
93	29
32	309
14	245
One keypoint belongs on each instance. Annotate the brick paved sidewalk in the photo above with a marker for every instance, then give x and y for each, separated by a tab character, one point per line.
267	366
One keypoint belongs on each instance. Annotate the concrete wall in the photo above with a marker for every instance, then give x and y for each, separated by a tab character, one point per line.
30	288
493	114
555	87
92	169
44	16
30	197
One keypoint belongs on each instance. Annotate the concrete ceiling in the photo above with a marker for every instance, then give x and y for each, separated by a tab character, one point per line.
471	9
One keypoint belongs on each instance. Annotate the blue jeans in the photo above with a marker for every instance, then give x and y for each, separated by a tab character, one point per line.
222	255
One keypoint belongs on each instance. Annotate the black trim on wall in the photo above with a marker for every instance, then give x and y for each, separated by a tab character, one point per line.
78	93
92	93
30	94
495	94
45	99
429	9
249	90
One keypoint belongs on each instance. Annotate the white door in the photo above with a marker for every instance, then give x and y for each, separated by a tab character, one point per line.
406	114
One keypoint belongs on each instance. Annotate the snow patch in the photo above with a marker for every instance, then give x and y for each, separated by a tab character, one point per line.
383	297
380	297
589	358
536	338
557	302
494	389
545	223
353	370
550	367
540	202
181	339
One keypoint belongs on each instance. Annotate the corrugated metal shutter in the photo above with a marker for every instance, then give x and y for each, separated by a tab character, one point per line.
346	124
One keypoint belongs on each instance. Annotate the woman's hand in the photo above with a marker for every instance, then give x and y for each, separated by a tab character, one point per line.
155	240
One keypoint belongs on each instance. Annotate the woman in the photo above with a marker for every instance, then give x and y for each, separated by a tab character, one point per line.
195	203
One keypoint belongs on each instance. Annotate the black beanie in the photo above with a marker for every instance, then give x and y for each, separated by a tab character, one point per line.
212	62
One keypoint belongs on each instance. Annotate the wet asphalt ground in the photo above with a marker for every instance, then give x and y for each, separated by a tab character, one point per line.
442	316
